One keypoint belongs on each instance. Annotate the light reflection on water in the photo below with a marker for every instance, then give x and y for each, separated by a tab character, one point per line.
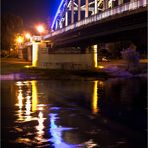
34	96
40	127
48	114
26	108
95	98
56	132
20	102
29	90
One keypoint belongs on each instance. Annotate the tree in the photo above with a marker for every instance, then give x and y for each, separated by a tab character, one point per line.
11	25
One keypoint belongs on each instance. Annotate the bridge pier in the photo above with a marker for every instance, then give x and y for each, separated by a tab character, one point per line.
29	53
20	54
35	50
68	58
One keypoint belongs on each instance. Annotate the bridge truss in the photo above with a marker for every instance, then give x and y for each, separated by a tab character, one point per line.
71	11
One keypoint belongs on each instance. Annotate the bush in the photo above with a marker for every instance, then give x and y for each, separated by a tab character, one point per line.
132	58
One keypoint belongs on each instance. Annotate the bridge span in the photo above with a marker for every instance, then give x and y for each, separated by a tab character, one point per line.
121	22
80	25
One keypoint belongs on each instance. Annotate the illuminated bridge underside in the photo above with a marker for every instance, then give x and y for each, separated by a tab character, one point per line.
103	25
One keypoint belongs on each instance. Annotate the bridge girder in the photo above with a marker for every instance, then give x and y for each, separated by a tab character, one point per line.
115	28
70	11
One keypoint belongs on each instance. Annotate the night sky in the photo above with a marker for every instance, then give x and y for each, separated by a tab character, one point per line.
32	11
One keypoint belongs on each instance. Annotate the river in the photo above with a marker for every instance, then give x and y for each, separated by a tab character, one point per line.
74	114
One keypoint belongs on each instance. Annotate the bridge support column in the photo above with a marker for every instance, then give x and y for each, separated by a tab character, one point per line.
35	50
86	8
120	2
57	24
60	24
95	55
20	53
79	10
105	4
96	6
66	18
29	53
72	11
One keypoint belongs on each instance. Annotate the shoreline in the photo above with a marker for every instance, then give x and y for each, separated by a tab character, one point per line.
16	69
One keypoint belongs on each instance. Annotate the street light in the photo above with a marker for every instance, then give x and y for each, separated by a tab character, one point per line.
40	29
20	39
27	36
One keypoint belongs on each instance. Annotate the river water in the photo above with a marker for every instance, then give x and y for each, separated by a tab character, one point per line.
74	114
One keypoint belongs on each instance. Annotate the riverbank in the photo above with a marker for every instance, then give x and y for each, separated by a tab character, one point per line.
21	70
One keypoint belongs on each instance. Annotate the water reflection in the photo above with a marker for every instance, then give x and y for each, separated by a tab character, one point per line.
28	107
40	127
95	98
61	113
20	101
34	96
98	87
24	100
57	133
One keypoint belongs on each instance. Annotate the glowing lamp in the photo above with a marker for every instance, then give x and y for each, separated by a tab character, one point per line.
27	35
20	39
40	29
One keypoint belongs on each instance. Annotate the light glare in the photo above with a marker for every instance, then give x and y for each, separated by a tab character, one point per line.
40	29
20	39
27	35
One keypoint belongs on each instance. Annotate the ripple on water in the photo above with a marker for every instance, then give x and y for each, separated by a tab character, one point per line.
25	141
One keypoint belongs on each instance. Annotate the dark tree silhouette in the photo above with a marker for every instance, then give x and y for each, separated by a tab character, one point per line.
11	25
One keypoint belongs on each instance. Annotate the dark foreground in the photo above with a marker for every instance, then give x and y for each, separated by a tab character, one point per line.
65	114
102	113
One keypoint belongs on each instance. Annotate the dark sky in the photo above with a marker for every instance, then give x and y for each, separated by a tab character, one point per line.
32	11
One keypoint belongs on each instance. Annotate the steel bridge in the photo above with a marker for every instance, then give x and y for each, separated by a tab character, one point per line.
74	14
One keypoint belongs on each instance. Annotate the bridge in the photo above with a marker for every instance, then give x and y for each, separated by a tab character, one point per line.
81	21
85	23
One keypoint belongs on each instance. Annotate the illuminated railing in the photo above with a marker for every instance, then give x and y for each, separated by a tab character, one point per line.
105	14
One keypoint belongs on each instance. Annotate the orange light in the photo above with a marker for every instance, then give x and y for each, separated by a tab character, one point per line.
101	67
27	35
34	96
95	108
20	39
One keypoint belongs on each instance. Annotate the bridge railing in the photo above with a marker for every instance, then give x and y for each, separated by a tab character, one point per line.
100	16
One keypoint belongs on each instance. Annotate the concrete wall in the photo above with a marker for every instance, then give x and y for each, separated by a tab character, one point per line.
29	52
25	53
64	60
20	53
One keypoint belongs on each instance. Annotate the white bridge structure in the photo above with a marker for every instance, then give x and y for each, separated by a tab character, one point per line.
71	11
76	13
